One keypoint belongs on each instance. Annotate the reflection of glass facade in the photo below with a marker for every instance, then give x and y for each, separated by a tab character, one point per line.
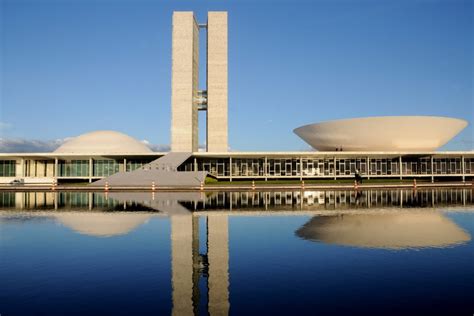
74	168
251	201
334	200
7	168
104	168
7	199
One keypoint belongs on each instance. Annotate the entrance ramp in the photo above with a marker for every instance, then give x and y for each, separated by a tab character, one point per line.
170	161
160	172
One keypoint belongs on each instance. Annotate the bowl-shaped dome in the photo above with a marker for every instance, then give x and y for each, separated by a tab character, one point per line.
388	133
103	142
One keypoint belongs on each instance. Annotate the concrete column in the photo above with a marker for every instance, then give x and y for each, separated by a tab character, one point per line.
463	169
301	168
230	169
368	167
21	169
91	170
182	264
56	169
265	168
400	166
218	256
195	164
432	170
125	164
334	168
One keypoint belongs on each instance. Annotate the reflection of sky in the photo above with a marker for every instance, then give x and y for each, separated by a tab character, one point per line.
271	271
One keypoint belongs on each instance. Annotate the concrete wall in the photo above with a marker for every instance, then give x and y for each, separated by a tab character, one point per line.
217	122
184	83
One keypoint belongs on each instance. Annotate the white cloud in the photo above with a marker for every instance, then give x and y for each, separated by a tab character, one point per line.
4	125
20	145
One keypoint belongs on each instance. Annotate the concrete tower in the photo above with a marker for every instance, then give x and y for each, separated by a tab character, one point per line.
184	82
186	99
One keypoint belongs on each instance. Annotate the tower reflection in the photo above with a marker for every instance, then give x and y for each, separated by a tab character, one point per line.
188	265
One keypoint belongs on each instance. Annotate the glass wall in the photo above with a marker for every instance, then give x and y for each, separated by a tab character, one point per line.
133	164
7	168
105	168
447	166
469	165
74	168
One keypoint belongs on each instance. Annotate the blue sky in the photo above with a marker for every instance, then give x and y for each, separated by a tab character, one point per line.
73	66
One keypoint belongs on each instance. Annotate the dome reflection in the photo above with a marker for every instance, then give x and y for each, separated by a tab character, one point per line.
386	230
102	224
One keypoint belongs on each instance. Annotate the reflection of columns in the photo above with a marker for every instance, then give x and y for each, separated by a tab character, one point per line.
182	264
56	197
91	199
218	256
19	200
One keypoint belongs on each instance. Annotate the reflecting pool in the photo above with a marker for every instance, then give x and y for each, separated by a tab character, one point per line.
240	253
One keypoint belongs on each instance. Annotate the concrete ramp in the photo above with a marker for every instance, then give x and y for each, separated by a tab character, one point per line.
161	172
169	162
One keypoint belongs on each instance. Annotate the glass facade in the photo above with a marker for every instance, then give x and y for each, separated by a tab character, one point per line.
261	167
74	168
105	168
133	164
7	168
329	167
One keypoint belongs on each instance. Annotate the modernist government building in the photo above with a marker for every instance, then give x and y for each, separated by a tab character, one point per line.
376	147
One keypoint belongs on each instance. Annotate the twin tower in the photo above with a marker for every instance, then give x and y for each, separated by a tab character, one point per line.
186	98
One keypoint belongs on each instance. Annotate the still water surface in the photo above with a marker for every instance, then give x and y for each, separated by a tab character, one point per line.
240	253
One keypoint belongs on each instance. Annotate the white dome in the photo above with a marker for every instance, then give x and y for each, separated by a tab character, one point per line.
103	142
388	133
